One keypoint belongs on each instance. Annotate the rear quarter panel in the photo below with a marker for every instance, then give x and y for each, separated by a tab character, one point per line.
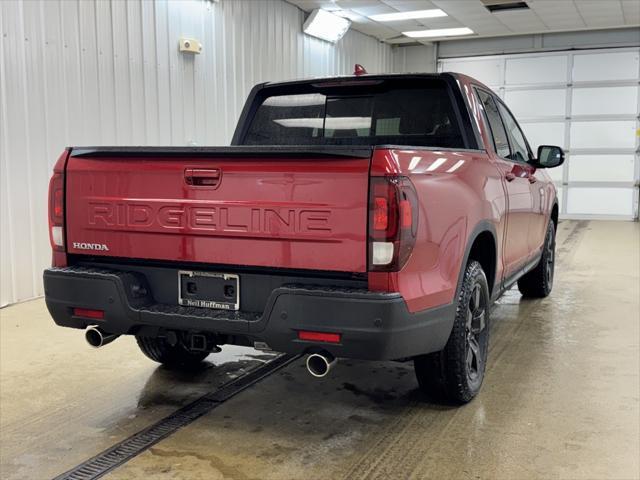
457	190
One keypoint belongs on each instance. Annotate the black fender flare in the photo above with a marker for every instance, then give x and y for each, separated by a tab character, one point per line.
555	204
481	227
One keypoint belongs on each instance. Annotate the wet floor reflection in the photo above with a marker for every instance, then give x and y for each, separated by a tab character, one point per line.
560	398
166	386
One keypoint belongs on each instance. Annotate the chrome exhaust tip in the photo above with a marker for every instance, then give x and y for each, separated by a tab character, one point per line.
319	364
98	338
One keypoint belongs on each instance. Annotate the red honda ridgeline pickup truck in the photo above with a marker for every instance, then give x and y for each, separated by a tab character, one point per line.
372	217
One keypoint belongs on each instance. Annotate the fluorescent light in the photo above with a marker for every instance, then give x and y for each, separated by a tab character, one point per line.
436	164
329	123
347	123
439	32
300	122
393	17
414	162
326	26
456	166
299	100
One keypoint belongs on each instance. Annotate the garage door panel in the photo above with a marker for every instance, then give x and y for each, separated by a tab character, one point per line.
604	101
556	173
547	133
532	70
560	198
600	201
536	103
586	102
601	168
606	66
603	134
488	72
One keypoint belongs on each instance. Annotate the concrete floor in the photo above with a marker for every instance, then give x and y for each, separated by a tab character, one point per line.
560	400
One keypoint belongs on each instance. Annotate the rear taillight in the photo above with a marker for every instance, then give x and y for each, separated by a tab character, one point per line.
393	222
56	211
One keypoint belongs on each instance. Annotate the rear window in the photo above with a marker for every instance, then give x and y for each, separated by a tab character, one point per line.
414	113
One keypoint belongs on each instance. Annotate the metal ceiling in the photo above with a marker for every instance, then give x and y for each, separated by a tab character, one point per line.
543	16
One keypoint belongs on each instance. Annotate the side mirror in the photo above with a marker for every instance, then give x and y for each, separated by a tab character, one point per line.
549	156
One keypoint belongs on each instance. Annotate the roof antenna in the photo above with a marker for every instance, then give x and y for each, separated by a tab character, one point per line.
359	70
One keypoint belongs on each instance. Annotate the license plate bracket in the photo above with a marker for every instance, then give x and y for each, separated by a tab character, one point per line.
213	290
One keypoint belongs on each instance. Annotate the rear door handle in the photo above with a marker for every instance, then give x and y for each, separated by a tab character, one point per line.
202	177
510	177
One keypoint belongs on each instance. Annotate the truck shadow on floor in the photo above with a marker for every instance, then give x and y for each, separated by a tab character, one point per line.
356	395
384	385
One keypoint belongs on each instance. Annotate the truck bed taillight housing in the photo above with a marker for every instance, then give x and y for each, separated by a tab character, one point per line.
56	212
393	222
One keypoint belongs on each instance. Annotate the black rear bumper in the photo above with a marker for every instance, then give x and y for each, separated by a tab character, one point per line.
373	325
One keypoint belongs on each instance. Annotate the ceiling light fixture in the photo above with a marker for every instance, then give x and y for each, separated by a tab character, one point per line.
440	32
393	17
326	26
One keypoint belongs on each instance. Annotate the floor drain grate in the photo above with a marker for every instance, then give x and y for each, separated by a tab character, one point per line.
124	451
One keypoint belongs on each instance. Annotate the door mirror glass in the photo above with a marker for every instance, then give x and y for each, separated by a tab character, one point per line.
549	156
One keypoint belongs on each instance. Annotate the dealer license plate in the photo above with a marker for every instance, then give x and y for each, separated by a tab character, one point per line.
209	290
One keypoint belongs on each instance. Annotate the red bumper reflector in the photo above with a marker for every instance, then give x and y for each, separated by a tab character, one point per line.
87	313
319	336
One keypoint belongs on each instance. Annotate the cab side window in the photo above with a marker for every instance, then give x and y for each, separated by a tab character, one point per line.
519	149
498	132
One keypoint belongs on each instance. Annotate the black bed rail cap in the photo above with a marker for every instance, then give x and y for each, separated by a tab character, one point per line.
239	151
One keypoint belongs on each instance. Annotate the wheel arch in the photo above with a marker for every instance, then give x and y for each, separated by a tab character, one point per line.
554	214
482	246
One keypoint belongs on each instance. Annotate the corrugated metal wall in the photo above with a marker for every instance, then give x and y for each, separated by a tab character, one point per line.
106	72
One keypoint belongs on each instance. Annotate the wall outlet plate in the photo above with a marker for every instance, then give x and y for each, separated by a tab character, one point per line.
190	45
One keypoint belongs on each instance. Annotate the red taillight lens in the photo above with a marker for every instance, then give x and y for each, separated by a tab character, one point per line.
88	313
319	336
393	222
56	211
56	197
58	207
380	214
406	214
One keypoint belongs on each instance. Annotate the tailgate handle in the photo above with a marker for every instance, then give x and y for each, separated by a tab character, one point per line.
202	177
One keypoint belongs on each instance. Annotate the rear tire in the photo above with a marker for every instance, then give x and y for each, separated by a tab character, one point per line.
538	282
160	350
455	374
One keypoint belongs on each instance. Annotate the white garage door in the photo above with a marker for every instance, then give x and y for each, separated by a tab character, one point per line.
588	102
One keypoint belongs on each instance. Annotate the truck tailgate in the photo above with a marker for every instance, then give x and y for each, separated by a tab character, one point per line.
297	208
